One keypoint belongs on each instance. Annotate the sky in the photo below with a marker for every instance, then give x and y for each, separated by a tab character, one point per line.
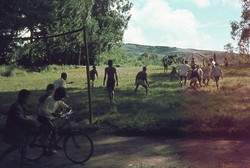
189	24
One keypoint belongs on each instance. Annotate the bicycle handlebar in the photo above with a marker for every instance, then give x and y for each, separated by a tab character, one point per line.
64	115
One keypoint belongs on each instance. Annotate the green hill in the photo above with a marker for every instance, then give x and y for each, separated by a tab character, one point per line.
162	51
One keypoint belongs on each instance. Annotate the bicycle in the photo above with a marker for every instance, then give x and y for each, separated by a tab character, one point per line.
77	146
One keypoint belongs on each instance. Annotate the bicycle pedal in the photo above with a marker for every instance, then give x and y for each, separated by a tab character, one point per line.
58	147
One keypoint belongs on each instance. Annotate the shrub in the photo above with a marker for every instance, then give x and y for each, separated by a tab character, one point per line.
11	71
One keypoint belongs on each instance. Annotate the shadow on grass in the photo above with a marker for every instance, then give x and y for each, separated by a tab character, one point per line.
166	109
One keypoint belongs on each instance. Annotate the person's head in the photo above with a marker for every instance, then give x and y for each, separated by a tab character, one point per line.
60	93
144	68
64	76
174	68
50	89
23	96
216	64
94	67
193	67
110	62
186	62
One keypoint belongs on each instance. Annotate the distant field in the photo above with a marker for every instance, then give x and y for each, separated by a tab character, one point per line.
166	108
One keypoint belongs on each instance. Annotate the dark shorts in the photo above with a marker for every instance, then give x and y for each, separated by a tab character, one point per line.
111	84
47	122
216	78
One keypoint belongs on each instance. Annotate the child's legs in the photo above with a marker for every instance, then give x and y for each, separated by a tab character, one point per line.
111	87
136	88
184	78
49	130
111	93
200	81
52	134
181	78
145	86
23	149
216	78
177	77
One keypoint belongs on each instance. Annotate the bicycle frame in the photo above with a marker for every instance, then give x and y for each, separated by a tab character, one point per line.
60	128
58	131
77	146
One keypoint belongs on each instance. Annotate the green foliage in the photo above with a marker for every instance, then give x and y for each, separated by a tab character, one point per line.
149	59
240	30
56	68
119	57
8	71
105	22
135	49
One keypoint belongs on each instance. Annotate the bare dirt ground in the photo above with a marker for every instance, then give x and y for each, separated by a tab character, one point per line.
112	151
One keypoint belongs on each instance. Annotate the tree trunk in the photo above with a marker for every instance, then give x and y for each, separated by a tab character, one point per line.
30	51
79	55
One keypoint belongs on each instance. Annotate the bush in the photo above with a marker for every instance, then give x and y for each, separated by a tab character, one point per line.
56	68
11	71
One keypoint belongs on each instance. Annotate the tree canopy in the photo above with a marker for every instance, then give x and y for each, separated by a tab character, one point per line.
36	20
241	30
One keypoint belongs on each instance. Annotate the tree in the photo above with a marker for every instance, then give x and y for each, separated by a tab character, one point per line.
20	17
229	51
105	21
241	30
112	17
229	47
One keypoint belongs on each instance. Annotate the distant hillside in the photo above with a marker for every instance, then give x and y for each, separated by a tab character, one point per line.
161	51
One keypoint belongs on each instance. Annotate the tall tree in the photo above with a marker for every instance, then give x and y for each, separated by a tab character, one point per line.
112	17
241	30
20	17
105	21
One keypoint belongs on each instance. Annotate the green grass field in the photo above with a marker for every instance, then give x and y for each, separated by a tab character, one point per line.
167	108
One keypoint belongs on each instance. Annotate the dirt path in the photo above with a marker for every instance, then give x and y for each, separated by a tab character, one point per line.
152	152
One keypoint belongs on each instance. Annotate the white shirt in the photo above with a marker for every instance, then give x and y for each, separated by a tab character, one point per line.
216	71
200	72
207	71
60	83
184	69
50	106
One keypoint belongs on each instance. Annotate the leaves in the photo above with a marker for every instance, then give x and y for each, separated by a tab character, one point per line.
241	30
105	21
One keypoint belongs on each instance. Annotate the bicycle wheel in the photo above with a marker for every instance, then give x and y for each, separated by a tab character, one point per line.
78	147
34	149
9	158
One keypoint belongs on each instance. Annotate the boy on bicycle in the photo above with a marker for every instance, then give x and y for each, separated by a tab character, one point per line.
49	91
46	117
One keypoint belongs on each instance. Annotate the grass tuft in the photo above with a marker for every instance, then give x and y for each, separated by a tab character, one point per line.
166	108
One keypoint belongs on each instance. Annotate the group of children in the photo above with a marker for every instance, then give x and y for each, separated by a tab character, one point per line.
197	75
50	104
18	124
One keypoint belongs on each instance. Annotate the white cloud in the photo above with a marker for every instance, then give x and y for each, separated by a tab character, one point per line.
156	23
208	3
234	3
202	3
134	35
